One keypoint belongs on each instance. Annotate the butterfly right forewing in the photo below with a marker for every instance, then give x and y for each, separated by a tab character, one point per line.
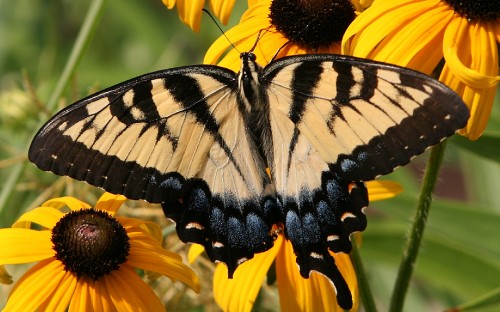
364	117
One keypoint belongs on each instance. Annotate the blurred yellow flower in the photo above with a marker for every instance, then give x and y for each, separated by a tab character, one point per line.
87	258
418	34
190	10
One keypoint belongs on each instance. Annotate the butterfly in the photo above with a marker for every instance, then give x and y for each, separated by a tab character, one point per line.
198	140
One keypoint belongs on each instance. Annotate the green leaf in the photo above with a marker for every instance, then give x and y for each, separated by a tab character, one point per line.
489	302
487	146
459	257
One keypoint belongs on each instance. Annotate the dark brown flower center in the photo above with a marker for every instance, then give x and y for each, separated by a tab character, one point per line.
90	243
482	10
312	24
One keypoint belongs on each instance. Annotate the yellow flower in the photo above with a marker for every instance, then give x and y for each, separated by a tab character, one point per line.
190	10
87	258
296	293
285	28
418	34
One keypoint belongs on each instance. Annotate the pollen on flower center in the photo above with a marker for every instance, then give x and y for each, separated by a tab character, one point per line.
90	243
484	10
312	23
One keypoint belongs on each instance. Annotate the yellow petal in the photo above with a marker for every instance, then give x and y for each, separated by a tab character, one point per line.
71	202
36	286
63	293
24	246
161	261
313	294
81	300
361	5
91	296
190	12
194	252
153	229
254	2
470	70
222	9
44	216
405	33
382	189
128	292
110	202
457	41
100	296
376	23
239	293
169	4
143	241
150	227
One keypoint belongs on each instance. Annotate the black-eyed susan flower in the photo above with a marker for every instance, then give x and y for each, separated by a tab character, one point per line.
87	258
419	34
190	10
286	27
295	292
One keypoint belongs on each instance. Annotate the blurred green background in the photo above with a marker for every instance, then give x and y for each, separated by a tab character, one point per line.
460	257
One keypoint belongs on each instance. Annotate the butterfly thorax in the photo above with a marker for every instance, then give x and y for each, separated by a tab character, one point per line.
248	82
252	96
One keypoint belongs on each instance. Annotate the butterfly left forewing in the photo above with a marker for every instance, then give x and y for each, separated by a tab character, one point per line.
175	137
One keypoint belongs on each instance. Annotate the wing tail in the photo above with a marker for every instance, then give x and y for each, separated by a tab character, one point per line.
324	263
324	219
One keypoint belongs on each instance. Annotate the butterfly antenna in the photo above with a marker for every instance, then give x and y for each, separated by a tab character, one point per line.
288	42
220	28
259	36
279	50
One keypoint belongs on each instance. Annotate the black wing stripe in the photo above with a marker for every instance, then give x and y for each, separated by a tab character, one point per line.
304	79
344	82
187	90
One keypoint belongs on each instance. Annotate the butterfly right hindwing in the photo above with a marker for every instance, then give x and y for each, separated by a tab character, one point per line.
336	120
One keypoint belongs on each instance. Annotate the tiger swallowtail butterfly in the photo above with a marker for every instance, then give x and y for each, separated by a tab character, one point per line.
198	140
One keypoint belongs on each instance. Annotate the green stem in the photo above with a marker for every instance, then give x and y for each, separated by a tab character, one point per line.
82	41
417	230
363	285
86	33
